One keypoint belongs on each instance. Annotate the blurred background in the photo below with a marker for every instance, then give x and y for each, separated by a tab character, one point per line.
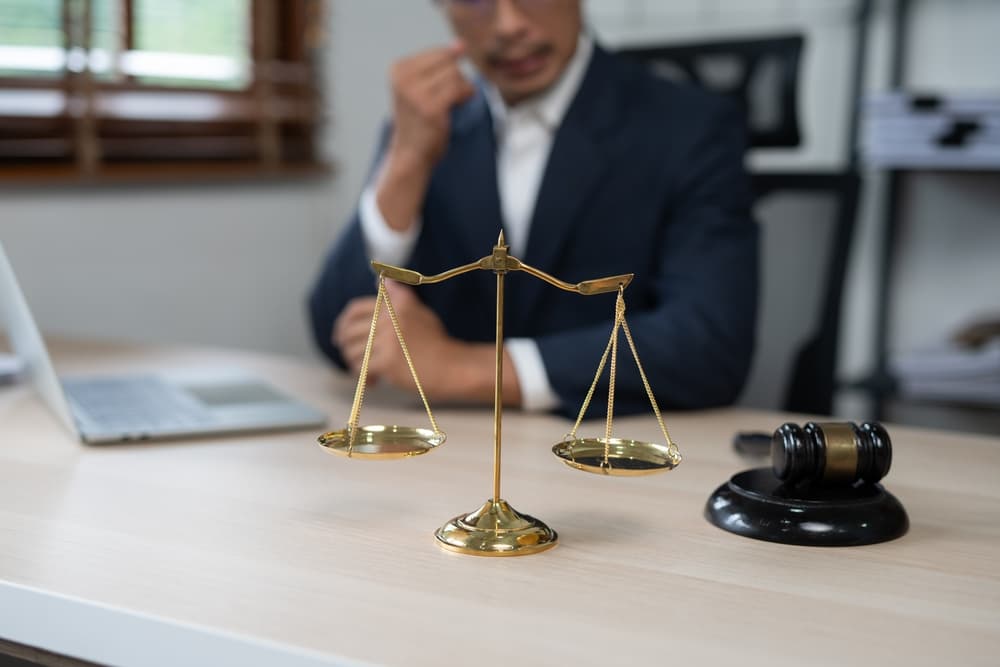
173	171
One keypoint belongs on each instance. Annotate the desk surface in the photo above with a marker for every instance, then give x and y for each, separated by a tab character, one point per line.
266	550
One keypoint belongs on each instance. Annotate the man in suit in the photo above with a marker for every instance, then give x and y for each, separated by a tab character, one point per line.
592	167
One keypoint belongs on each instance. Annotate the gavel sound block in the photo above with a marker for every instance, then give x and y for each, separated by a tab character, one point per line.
821	489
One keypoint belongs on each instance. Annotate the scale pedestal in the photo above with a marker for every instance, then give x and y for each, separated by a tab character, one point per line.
497	529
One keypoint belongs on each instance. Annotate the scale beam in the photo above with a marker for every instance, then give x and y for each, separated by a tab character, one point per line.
509	263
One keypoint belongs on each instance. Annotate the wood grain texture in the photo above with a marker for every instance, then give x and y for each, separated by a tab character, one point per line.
269	537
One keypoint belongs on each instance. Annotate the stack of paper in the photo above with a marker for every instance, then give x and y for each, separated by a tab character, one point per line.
952	373
952	131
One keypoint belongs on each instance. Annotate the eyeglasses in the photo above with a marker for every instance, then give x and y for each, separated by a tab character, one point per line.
486	10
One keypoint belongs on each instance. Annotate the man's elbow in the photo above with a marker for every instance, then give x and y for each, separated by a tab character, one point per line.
719	379
732	366
731	377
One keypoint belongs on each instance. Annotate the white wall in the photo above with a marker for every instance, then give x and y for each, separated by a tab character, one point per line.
367	36
221	265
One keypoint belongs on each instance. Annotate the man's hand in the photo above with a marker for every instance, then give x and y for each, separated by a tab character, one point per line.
423	332
449	369
425	88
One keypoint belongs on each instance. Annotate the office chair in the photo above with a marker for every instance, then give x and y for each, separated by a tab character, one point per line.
762	75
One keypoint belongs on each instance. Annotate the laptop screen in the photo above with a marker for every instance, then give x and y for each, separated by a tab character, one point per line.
28	344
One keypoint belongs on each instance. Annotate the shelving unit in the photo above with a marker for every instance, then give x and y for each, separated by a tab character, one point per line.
881	385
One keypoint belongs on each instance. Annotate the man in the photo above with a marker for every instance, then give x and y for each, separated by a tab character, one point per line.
592	167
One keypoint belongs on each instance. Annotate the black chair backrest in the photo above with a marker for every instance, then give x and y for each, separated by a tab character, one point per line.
760	74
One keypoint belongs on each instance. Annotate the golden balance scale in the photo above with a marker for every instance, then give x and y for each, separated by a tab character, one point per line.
496	528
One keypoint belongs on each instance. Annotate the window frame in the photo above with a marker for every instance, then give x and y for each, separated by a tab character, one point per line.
124	129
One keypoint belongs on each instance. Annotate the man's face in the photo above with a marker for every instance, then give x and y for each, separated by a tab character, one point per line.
521	46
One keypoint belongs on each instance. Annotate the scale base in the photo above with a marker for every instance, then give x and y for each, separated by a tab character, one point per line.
496	529
756	504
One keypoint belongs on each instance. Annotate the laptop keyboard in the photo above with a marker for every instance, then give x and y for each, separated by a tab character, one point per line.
143	404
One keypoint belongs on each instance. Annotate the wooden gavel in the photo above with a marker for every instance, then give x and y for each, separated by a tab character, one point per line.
840	453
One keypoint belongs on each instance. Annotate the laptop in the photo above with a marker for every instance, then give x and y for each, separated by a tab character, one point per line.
153	406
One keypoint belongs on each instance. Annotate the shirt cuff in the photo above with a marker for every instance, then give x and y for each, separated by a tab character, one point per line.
382	242
536	392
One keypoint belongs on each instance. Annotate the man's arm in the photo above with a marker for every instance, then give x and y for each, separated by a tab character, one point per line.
696	343
425	88
346	275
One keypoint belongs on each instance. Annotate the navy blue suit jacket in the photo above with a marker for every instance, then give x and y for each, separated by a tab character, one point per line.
644	177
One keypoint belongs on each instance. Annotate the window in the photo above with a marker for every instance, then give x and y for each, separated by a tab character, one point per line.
124	89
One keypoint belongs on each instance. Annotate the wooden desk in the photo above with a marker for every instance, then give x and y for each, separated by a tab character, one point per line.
265	550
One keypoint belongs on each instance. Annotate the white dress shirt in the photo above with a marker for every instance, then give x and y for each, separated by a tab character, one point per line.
524	135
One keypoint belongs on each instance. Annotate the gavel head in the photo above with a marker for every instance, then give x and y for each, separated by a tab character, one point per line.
831	453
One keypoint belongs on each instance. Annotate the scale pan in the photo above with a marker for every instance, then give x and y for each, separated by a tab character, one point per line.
625	457
381	442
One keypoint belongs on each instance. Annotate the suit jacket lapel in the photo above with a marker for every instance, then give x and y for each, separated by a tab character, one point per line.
472	182
574	170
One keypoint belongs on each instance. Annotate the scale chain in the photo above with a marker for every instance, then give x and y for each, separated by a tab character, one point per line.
406	353
359	392
612	350
649	390
593	386
619	316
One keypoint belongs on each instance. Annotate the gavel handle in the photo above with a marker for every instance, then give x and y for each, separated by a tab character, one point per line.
754	444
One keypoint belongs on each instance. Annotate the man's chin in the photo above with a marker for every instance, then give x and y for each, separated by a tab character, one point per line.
517	88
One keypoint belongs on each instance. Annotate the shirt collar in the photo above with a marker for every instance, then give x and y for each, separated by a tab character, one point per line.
549	106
